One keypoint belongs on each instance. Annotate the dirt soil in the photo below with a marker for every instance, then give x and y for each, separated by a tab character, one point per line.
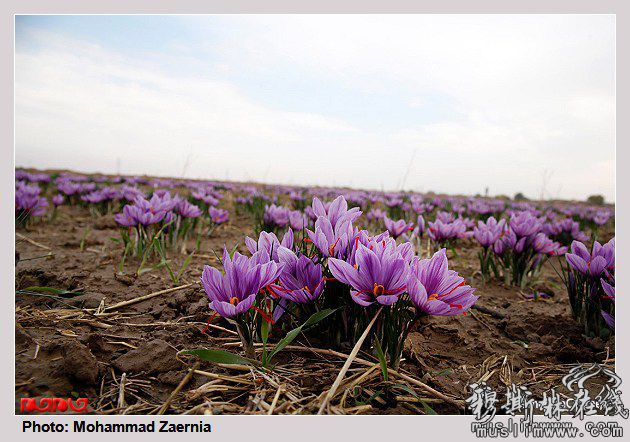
124	359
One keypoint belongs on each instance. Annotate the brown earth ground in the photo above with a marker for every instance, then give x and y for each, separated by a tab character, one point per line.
124	358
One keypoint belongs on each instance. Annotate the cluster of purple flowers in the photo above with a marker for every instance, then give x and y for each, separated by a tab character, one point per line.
218	216
336	266
397	228
276	216
153	219
148	212
564	231
28	177
590	281
446	229
28	202
518	244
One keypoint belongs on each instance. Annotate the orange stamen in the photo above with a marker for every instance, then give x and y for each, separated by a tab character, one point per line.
378	289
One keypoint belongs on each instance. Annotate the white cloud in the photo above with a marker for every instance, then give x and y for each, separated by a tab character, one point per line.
526	93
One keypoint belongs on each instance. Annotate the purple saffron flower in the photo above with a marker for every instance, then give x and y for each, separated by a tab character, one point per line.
131	193
436	290
373	279
58	199
525	224
608	289
269	244
218	216
498	247
489	232
445	217
128	217
420	226
147	212
27	200
301	279
234	292
188	210
308	211
602	218
336	210
297	220
331	241
542	244
440	231
69	188
609	319
593	264
375	214
161	201
380	244
397	228
276	215
94	197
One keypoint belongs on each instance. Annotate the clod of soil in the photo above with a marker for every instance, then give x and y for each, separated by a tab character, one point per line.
155	356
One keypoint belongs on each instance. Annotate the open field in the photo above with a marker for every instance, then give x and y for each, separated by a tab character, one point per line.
113	326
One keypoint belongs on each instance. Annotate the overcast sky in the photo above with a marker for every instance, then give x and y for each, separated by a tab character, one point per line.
448	103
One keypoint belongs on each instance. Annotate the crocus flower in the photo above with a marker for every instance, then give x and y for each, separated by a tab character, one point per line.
331	241
593	264
150	212
372	279
397	228
218	216
69	188
608	319
445	217
269	244
375	214
94	197
58	199
297	220
188	210
28	201
276	215
128	217
207	198
301	279
525	224
336	210
131	193
601	218
489	232
420	226
296	196
234	292
380	244
436	290
608	289
308	211
440	231
542	244
565	231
